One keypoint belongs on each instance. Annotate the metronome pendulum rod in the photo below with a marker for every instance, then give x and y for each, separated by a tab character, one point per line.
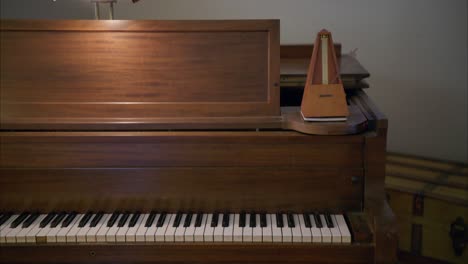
324	46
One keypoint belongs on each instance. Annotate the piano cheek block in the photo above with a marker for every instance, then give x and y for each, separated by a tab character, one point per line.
165	141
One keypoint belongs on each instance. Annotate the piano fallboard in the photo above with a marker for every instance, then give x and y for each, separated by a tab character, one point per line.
180	170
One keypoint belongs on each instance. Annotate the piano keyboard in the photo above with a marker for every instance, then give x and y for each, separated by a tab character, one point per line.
128	227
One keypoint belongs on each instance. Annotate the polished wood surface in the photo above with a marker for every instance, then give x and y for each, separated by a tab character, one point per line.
172	170
125	71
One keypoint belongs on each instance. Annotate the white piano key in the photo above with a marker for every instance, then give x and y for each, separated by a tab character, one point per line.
41	237
3	228
131	232
150	233
200	231
112	232
81	235
61	236
31	235
70	237
21	236
296	230
286	230
101	235
218	232
180	230
9	233
142	229
162	230
267	235
189	235
8	222
170	231
326	234
248	230
305	231
209	230
52	235
120	236
257	230
344	230
276	231
335	231
229	230
316	232
91	236
237	230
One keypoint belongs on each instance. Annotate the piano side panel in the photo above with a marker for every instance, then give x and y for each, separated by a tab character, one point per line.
192	170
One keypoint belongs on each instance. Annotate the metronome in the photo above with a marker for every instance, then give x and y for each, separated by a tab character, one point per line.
324	98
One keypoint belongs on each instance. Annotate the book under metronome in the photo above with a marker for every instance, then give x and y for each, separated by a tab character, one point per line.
324	98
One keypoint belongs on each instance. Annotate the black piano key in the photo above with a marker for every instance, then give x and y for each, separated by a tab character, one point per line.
47	219
150	220
28	222
134	219
199	219
60	216
225	219
113	219
290	219
96	219
123	219
5	217
329	221
307	222
84	221
19	219
317	220
279	220
242	219
263	220
214	220
188	219
253	220
162	218
69	219
177	219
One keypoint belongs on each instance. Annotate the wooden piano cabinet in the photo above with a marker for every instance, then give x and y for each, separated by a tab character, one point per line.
177	115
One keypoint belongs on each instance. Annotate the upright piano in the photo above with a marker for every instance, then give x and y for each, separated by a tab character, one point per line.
165	142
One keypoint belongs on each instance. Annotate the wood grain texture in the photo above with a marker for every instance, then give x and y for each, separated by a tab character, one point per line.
121	71
176	170
189	253
181	189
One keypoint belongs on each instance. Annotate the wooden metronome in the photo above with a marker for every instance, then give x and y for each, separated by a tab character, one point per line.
324	97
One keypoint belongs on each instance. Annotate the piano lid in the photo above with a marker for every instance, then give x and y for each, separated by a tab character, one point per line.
106	75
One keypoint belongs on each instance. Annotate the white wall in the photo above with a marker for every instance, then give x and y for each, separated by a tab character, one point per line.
415	50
